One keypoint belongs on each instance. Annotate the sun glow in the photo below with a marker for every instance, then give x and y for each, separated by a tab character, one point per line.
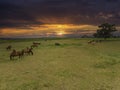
46	30
60	33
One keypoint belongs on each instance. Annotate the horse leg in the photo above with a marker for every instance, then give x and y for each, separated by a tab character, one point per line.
22	55
27	53
10	57
19	56
32	52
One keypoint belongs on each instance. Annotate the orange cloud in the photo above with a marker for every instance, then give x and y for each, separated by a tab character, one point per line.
58	29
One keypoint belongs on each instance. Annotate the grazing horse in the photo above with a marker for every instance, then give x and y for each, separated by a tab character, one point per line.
28	51
16	53
92	42
8	47
89	42
57	44
36	43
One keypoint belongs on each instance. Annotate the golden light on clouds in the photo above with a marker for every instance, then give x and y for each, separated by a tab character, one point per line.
14	31
60	33
47	29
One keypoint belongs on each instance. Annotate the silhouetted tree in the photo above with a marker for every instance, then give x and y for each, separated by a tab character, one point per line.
105	30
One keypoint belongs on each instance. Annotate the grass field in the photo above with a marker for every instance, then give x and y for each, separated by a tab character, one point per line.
74	65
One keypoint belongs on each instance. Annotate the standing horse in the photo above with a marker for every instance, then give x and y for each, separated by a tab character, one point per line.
8	47
16	53
57	44
36	43
28	51
90	42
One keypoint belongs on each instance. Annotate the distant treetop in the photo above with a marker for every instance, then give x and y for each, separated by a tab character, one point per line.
105	30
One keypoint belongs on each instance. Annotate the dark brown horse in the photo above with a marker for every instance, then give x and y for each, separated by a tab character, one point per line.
89	42
36	43
92	42
8	47
28	51
16	53
57	44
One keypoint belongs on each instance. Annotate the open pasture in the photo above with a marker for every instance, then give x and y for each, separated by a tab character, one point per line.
72	65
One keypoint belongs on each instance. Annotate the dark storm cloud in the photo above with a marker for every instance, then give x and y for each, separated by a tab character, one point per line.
80	11
15	16
24	13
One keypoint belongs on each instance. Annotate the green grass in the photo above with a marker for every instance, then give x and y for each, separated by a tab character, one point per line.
74	65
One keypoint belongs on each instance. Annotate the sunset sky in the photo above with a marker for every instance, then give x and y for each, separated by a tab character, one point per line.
51	18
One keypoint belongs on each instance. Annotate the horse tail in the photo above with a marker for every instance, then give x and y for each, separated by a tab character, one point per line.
32	52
